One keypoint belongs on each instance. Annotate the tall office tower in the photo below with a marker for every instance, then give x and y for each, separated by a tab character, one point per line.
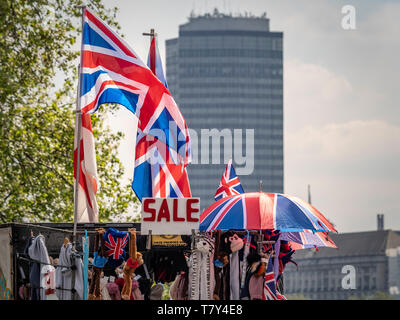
225	73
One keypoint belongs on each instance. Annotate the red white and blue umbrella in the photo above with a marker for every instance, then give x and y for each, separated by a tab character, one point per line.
307	239
259	210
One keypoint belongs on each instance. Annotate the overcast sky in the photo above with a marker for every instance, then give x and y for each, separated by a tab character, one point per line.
341	93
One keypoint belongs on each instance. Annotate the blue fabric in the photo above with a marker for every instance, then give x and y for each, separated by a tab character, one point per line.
85	266
142	181
290	215
111	238
92	38
99	261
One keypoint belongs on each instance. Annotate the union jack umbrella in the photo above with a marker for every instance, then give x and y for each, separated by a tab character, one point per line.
229	184
259	210
307	239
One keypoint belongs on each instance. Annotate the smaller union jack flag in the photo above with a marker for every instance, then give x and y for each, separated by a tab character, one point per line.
270	292
116	248
230	184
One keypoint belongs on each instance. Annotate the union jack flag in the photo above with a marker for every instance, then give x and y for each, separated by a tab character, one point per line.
157	173
270	292
116	248
230	184
111	72
154	62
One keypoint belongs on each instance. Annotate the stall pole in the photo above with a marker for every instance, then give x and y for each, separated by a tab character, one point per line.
79	124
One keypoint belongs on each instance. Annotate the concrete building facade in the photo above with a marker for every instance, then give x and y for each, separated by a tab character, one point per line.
364	263
226	74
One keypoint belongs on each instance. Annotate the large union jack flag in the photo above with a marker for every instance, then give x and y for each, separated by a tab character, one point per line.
111	72
157	173
229	184
270	292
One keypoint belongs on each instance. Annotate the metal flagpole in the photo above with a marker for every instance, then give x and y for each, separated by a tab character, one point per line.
152	34
79	124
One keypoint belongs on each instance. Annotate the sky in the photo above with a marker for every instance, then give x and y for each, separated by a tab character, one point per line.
341	90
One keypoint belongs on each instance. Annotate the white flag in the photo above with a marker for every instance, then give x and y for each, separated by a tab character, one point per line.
87	209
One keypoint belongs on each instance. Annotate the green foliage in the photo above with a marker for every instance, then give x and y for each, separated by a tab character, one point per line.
296	296
378	295
39	42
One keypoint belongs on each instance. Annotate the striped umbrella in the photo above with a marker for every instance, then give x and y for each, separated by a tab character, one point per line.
259	210
307	239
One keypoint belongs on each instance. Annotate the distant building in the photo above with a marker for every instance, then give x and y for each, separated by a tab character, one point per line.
226	72
375	256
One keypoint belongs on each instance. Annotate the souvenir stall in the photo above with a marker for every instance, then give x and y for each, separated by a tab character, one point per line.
270	227
234	251
42	264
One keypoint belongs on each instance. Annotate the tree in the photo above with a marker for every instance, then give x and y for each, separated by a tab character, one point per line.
379	295
38	44
296	296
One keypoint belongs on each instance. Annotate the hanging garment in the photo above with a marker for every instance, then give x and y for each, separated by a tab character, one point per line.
38	251
254	267
243	267
24	292
256	287
121	282
136	293
105	295
85	246
236	244
66	278
34	274
234	277
199	271
179	288
165	264
145	287
113	291
156	292
48	282
223	249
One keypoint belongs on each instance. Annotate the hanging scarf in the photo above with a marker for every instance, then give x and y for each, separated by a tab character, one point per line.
200	265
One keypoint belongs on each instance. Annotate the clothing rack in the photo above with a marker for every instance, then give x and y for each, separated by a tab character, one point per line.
56	229
20	257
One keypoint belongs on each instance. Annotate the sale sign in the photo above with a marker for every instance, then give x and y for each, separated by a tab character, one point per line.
170	215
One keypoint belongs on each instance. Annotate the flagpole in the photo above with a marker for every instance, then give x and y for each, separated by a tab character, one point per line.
152	34
79	124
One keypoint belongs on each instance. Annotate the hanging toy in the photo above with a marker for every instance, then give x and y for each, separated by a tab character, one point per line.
135	260
98	263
